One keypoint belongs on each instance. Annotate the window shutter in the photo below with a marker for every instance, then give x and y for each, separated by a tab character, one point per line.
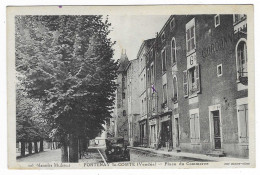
185	83
197	128
197	73
187	40
243	123
246	124
192	128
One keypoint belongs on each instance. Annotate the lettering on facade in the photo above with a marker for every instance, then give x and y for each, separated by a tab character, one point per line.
219	45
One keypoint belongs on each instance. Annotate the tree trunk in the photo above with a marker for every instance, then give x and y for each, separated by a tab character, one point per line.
64	149
22	148
85	143
80	148
41	146
35	147
73	148
30	148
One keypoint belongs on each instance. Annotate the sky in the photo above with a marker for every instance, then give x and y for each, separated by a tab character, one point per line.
130	31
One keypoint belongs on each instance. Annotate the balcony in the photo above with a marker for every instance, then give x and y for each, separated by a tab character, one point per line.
243	77
240	23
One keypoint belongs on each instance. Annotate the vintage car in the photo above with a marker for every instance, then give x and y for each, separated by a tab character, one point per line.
116	149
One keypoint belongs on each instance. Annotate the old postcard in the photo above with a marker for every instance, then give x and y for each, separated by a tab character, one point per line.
169	86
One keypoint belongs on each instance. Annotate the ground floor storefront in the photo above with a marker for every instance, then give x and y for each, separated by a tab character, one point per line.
143	133
212	130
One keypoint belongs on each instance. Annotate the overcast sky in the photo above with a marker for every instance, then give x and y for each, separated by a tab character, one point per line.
130	31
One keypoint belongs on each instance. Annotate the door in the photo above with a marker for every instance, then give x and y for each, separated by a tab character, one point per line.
177	134
164	134
216	129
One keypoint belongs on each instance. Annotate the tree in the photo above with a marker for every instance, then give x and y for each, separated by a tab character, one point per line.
30	125
66	61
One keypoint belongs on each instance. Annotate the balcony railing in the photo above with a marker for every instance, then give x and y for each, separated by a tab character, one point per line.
243	77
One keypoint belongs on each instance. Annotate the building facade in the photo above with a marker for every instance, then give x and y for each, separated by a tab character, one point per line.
133	112
120	118
143	89
192	87
200	84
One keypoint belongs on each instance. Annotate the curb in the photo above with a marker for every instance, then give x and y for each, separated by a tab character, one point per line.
181	156
103	158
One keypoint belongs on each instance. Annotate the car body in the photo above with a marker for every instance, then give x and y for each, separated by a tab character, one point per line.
116	149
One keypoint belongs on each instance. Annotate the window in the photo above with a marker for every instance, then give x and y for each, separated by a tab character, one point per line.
148	75
217	20
123	82
163	37
124	112
172	24
241	53
142	107
123	95
154	97
190	36
164	60
165	93
219	70
152	73
194	128
173	51
191	81
144	82
175	96
145	106
243	123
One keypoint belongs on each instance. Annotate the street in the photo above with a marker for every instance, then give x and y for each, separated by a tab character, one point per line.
146	156
93	156
46	156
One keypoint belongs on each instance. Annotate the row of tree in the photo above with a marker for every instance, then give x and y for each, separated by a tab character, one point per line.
65	68
31	126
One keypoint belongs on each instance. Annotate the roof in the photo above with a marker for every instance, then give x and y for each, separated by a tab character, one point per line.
146	43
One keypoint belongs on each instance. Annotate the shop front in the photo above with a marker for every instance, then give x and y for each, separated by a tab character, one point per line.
165	139
143	133
153	127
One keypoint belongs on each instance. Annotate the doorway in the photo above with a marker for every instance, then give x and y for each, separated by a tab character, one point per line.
216	129
177	132
166	134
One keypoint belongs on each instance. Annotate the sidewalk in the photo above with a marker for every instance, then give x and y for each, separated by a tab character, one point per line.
191	155
45	156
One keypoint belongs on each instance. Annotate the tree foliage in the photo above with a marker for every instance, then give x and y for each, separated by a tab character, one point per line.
30	122
67	65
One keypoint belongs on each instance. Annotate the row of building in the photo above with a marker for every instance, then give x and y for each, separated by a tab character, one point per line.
187	90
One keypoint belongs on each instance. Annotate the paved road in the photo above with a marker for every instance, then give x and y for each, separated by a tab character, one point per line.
146	156
93	156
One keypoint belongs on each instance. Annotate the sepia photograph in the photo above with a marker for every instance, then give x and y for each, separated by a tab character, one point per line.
130	90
